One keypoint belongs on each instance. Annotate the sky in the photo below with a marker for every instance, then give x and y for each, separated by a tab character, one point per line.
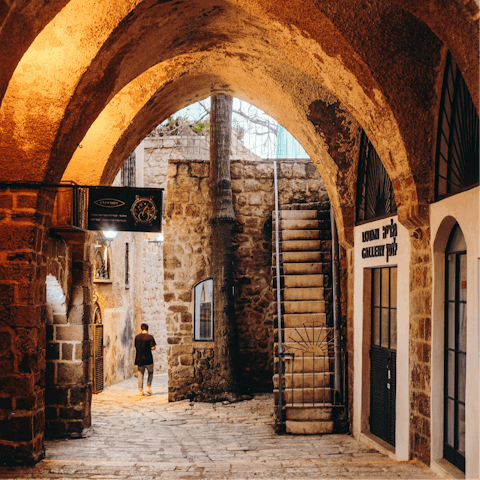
256	137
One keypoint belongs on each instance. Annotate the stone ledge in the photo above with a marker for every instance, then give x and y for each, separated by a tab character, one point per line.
378	444
445	469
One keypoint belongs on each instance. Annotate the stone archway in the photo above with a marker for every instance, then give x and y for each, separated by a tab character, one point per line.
377	60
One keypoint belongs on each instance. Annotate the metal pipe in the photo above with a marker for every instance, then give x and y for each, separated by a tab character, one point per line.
279	304
337	369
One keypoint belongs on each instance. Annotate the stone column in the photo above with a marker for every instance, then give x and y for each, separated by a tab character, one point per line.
70	366
22	328
420	343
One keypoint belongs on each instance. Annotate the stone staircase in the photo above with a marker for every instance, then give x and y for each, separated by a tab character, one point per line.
305	266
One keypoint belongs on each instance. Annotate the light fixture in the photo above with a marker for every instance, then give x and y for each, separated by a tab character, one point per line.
158	239
110	234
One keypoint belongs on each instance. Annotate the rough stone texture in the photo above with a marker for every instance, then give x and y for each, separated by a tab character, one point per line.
22	326
420	344
346	307
382	60
187	252
152	304
222	441
69	369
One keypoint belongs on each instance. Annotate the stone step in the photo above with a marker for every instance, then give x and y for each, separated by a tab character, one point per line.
307	364
303	294
309	428
305	380
300	246
298	225
300	349
306	334
297	281
302	414
305	396
302	268
300	235
297	214
301	257
295	320
304	306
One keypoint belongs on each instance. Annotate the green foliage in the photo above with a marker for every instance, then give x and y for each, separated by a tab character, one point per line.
201	127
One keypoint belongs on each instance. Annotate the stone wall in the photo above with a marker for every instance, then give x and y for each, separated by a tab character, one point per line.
152	304
69	368
116	300
23	235
420	344
187	253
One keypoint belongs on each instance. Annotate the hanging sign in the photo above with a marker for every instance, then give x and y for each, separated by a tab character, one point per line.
386	250
125	209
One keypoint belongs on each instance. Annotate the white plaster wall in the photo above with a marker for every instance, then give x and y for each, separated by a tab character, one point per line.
402	261
464	209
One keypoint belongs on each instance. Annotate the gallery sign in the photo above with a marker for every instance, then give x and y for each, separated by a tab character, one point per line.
125	209
387	250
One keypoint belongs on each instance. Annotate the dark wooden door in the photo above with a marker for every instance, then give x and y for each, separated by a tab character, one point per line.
383	355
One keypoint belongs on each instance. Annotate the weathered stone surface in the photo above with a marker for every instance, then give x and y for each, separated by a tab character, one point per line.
254	199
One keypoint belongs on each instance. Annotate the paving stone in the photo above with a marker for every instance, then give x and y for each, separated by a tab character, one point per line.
143	438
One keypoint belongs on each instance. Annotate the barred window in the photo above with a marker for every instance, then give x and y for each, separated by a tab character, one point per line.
129	171
456	166
375	196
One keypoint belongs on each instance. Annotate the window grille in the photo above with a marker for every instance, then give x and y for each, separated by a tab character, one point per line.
203	317
129	171
457	155
375	196
127	265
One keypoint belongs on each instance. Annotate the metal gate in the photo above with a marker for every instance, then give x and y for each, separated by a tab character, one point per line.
98	352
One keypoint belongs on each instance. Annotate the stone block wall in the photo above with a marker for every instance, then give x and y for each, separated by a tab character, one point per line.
152	303
116	299
420	344
187	253
156	151
23	235
69	366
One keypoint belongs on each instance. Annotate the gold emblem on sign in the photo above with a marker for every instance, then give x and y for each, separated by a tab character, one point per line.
143	210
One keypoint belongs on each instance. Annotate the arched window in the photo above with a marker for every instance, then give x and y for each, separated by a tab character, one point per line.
457	153
375	196
203	316
455	348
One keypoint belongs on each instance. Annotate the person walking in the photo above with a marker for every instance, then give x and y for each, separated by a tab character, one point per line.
144	344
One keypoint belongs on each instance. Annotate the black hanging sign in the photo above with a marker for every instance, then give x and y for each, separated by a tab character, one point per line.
125	209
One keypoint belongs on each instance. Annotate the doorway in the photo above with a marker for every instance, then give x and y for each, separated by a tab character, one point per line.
455	348
383	353
98	376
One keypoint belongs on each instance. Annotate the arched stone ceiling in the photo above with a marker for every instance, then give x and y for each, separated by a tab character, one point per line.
378	60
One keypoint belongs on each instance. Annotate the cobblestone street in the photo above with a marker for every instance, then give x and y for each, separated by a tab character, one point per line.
136	437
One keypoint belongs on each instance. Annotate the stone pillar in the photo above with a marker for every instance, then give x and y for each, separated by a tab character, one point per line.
22	328
69	342
420	343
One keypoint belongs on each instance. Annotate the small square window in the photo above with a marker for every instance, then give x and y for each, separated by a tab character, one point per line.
203	315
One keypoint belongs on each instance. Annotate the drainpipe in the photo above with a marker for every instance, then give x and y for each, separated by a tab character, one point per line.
279	304
336	311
